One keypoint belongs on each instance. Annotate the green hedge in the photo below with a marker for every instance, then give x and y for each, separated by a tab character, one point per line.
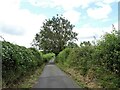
17	61
48	56
103	59
63	55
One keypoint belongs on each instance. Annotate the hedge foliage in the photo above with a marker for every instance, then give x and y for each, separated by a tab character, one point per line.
102	58
17	61
48	56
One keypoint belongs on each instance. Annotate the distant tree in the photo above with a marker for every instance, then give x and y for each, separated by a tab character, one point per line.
72	45
85	43
55	34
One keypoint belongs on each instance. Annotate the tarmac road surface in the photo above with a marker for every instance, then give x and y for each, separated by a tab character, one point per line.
53	77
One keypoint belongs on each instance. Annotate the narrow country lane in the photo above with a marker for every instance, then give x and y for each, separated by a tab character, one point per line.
53	77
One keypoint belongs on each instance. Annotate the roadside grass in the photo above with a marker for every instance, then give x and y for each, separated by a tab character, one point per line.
82	81
29	80
73	76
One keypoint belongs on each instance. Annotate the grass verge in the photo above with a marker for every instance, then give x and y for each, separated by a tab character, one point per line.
29	80
65	69
83	82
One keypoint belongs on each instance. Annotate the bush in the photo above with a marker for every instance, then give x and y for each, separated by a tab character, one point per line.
80	58
62	56
17	61
109	46
102	59
47	57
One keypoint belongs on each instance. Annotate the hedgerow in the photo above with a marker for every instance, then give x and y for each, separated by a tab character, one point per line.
17	61
62	57
48	56
102	59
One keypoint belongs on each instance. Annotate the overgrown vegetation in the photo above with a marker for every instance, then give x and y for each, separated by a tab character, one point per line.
29	80
99	63
19	61
48	56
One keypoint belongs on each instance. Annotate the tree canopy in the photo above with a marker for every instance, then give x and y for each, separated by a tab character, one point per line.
55	34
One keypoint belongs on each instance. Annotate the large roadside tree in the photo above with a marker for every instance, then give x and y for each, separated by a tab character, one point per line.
55	34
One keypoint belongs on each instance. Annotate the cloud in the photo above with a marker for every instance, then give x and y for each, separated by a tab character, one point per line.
14	20
116	25
20	25
101	12
72	15
110	1
65	4
12	30
71	4
87	32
